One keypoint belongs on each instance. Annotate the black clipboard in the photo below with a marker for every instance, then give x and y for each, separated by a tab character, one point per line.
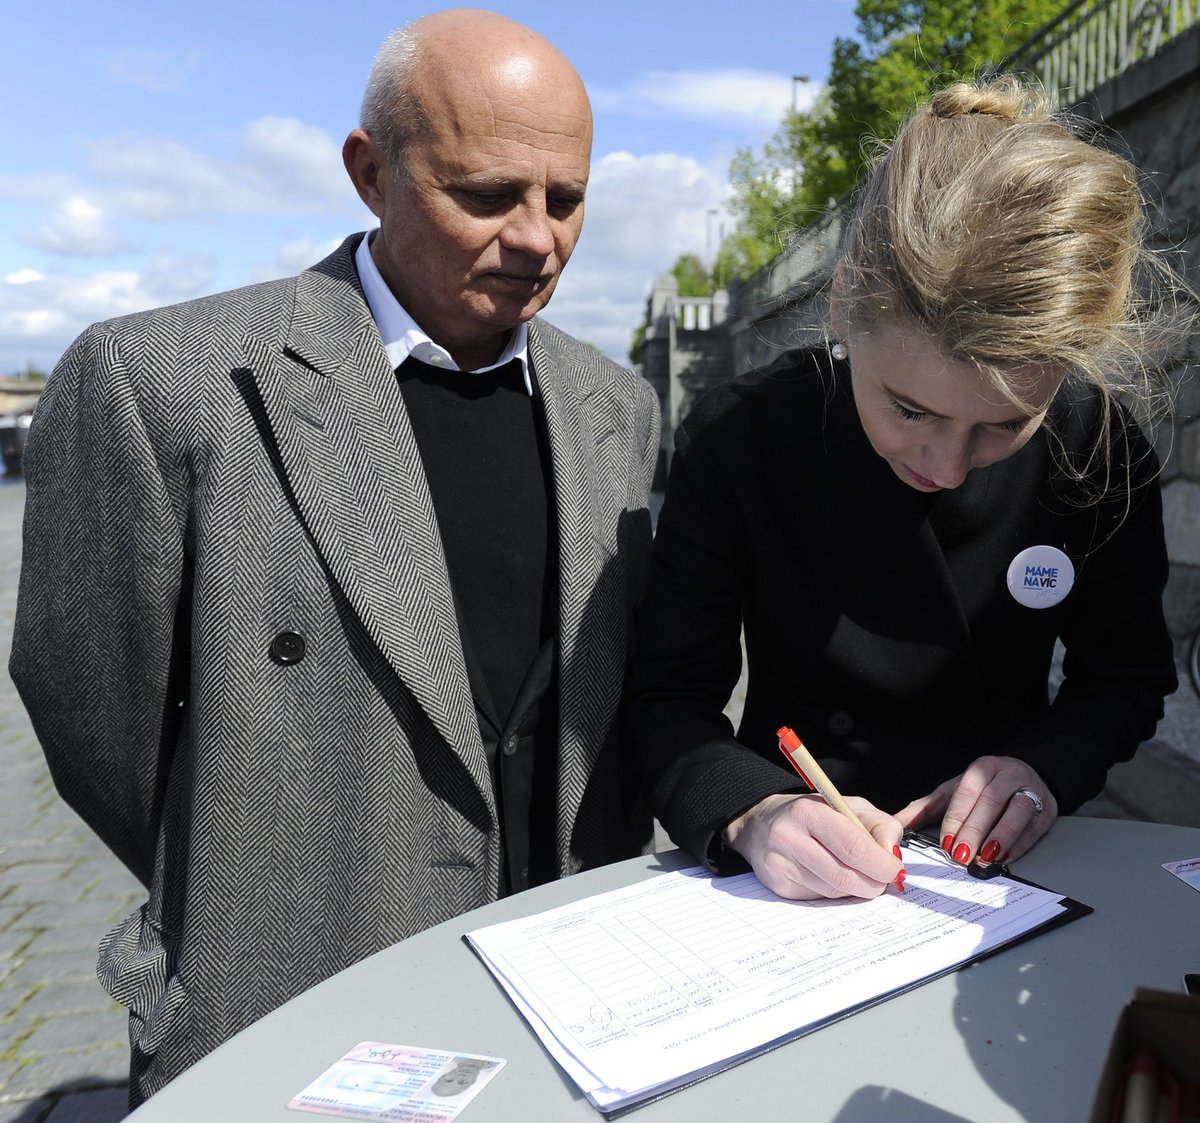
1071	910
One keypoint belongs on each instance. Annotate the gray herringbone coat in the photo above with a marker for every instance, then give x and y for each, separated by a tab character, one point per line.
204	477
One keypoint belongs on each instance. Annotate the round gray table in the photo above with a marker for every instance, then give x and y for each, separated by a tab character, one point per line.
1021	1036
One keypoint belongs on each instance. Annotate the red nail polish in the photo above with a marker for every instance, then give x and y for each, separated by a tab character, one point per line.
948	843
896	851
991	851
962	854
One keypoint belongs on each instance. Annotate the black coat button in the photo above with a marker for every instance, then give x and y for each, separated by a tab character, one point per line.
840	722
287	648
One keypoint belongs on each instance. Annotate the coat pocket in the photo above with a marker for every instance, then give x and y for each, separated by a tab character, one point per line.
138	968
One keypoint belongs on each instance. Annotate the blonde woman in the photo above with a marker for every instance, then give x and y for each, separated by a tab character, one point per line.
906	521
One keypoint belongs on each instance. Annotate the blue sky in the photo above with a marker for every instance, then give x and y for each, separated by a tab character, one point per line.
150	153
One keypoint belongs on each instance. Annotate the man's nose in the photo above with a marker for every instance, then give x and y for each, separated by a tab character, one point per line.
528	231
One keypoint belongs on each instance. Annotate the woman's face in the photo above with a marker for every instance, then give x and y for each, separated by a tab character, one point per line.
933	418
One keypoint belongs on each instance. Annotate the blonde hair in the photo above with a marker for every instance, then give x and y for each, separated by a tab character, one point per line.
1015	244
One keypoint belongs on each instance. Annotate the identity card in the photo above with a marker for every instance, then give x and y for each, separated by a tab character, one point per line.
398	1083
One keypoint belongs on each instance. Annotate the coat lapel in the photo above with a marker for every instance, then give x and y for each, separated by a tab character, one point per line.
346	451
591	615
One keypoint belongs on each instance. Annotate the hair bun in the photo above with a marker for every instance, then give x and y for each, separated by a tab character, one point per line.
1004	98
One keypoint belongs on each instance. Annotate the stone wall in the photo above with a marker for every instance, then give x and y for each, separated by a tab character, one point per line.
685	350
1155	109
799	321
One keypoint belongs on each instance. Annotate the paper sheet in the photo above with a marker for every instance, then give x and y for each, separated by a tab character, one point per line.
647	985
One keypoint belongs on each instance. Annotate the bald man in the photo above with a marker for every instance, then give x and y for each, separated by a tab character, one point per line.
327	582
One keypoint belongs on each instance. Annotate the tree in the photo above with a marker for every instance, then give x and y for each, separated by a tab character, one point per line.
636	342
31	373
691	275
908	49
761	203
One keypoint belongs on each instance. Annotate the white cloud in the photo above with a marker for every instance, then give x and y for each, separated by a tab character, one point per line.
34	325
756	98
642	213
158	71
78	227
31	323
281	166
40	317
293	257
275	167
172	277
305	158
38	186
108	292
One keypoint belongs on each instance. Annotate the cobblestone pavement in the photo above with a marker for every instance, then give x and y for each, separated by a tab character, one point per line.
63	1045
64	1054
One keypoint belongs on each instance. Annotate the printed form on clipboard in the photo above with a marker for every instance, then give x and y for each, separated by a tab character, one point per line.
644	990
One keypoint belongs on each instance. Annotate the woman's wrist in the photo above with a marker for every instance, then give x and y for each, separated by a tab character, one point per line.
734	828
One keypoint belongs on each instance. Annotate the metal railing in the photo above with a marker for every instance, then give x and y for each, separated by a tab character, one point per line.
807	257
1091	41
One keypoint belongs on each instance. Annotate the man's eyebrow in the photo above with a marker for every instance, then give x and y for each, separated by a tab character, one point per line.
485	179
499	181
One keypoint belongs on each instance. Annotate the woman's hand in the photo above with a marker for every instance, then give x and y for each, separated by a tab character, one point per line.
800	848
986	812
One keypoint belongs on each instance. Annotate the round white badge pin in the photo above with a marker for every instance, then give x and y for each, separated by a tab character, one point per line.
1040	576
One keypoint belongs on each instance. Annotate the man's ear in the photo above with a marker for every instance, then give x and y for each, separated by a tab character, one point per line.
367	168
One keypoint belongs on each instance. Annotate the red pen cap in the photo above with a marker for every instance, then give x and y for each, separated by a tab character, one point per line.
788	743
788	739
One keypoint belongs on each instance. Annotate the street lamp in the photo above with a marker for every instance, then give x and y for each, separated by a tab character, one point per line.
708	254
797	81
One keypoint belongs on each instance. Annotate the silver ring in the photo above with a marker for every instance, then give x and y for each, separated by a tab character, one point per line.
1034	798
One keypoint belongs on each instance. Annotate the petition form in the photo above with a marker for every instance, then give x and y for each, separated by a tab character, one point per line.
652	985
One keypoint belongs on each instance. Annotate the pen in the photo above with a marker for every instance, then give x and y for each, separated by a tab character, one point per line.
814	776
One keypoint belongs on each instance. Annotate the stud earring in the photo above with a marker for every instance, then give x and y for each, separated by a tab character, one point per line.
840	351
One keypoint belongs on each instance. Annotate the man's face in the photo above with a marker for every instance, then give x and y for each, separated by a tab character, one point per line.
456	1080
477	229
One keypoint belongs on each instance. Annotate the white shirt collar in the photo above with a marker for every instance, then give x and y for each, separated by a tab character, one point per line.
402	337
